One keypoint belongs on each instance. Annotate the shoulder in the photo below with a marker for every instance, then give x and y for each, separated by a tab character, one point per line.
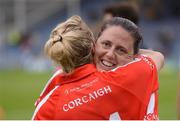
139	63
52	82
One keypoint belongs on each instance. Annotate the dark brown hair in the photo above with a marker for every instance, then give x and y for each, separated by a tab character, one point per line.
129	26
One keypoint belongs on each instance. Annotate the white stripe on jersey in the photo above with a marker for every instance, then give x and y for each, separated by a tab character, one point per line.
115	116
42	102
135	60
151	104
49	81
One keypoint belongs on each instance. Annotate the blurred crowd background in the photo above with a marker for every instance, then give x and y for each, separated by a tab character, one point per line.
25	26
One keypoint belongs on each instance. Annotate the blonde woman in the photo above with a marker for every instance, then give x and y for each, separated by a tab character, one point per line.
83	92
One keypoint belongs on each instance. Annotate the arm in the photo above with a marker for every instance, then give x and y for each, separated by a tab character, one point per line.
157	57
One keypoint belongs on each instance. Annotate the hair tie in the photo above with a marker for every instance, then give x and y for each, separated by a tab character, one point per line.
57	39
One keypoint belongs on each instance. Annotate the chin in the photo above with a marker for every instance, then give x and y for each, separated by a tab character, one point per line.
105	68
99	68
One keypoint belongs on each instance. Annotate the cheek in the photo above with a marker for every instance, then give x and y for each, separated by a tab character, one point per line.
123	60
96	56
98	51
95	53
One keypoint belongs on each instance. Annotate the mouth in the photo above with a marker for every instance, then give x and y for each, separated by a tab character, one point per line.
107	65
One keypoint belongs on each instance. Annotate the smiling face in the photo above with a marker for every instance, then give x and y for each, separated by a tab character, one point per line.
113	48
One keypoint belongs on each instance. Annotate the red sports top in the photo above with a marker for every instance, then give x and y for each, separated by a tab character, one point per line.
123	93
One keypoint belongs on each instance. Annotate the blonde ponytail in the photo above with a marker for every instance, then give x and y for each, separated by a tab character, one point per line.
70	44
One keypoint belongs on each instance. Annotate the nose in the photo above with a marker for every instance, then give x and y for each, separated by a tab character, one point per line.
110	54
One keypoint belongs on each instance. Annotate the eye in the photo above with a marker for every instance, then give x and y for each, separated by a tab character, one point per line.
121	51
106	44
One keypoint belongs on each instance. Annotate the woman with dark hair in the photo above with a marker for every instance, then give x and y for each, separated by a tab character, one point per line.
80	91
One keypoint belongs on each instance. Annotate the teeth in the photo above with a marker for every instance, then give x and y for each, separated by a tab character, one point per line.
107	63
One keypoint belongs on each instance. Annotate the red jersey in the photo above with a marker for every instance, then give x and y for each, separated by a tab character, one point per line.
122	93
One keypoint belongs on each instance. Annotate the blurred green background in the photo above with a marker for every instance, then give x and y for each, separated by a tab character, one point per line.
20	89
25	27
18	92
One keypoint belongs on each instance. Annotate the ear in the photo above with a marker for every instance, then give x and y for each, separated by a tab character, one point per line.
93	48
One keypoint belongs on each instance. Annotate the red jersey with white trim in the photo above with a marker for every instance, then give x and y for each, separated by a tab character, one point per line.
122	93
52	82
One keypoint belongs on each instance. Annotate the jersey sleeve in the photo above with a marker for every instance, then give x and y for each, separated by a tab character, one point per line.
52	82
152	110
46	108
